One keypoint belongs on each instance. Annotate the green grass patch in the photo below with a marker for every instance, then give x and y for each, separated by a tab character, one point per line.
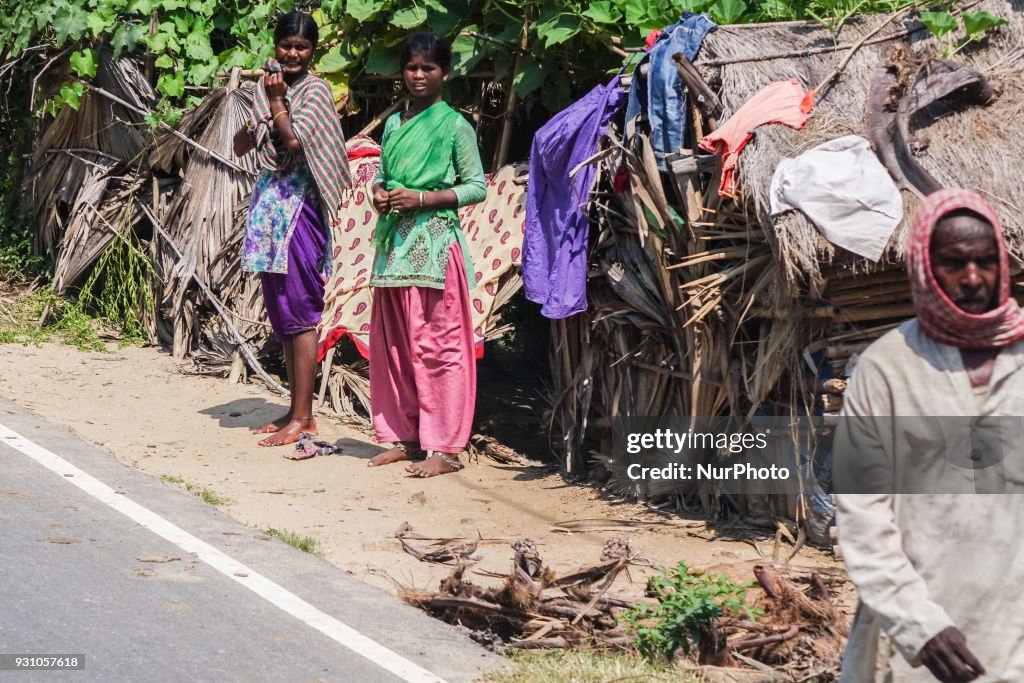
210	497
64	321
582	667
119	287
306	544
690	603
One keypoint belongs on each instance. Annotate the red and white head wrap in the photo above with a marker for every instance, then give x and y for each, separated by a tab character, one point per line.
939	317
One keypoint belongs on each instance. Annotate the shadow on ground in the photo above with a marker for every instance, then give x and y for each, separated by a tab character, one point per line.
245	413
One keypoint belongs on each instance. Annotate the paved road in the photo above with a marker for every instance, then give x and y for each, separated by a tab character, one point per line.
233	607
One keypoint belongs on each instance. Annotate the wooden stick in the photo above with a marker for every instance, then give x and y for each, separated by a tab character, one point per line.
857	314
791	54
513	97
380	118
853	50
325	370
760	641
704	96
557	643
243	345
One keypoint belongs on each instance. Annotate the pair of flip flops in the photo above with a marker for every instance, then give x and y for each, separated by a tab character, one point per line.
309	447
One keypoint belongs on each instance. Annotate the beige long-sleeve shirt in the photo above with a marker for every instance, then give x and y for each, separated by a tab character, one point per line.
923	562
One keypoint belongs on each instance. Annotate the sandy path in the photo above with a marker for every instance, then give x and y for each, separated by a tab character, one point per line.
138	405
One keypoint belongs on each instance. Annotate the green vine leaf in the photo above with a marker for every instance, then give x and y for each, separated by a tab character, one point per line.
171	84
382	59
197	46
939	23
558	29
363	10
409	17
333	61
126	37
71	22
202	73
530	76
603	12
727	11
96	23
467	51
84	63
976	23
143	7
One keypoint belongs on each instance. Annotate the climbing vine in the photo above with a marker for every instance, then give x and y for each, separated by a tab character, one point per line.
543	48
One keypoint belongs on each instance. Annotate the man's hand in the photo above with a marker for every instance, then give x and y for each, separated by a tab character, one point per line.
948	658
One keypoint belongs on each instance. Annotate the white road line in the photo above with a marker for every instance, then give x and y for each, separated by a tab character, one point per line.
260	585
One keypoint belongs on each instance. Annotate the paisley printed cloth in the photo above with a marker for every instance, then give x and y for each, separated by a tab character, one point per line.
493	231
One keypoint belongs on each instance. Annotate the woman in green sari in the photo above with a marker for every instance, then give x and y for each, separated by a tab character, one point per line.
422	361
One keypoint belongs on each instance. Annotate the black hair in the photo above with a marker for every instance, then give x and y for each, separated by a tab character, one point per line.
964	213
297	24
431	45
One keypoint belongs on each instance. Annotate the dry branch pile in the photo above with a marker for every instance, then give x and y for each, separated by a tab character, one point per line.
533	608
800	634
705	307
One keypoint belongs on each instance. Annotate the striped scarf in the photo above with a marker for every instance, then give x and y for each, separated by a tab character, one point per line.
939	317
318	129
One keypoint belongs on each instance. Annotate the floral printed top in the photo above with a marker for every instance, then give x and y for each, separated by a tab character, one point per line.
273	212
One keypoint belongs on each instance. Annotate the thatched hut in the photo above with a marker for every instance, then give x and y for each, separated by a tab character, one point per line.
703	307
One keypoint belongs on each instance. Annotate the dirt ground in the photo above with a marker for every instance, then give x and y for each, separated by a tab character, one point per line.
136	403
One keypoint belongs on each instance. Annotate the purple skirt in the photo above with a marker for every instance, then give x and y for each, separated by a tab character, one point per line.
295	300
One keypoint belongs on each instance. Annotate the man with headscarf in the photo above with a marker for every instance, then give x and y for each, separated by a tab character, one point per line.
937	574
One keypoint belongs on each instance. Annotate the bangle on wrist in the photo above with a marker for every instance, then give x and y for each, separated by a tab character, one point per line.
283	111
421	200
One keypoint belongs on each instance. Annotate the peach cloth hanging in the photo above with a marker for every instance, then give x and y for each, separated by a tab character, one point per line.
783	102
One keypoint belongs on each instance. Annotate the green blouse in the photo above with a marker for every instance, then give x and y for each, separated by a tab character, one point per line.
418	253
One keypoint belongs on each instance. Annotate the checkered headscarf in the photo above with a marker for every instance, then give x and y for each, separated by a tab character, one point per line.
939	317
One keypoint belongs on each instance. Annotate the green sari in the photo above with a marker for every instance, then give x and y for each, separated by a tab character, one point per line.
412	247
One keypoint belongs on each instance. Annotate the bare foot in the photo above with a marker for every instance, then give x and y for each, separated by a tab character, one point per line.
274	426
435	464
393	455
389	456
291	432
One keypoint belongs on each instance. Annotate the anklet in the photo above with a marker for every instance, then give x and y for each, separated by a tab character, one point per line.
455	463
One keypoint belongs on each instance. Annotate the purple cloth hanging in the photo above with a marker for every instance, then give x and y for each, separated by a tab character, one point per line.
557	227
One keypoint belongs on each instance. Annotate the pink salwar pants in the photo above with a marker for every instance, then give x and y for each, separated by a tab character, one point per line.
422	366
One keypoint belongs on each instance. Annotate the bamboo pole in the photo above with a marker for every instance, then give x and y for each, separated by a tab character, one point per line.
379	118
513	97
